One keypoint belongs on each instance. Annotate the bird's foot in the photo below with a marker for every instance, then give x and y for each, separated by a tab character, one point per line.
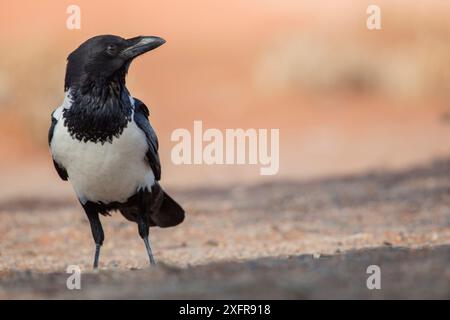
149	251
96	257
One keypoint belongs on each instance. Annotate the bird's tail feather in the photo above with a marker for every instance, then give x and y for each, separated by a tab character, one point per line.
169	214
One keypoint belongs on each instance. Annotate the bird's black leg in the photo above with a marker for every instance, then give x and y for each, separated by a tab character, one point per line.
144	224
97	230
144	227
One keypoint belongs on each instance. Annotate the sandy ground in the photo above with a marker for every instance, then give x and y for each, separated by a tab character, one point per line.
311	239
405	273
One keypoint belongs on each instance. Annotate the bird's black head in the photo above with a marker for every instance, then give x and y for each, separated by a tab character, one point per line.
100	103
105	58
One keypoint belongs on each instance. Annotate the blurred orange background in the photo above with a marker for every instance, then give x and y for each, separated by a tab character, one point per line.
346	99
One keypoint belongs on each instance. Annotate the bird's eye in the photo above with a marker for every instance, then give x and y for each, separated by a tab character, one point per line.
111	49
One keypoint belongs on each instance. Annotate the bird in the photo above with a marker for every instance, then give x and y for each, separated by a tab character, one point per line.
102	142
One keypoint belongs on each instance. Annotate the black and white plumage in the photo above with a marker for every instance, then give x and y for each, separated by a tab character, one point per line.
102	142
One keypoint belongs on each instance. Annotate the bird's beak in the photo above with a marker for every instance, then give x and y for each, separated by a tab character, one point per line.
140	45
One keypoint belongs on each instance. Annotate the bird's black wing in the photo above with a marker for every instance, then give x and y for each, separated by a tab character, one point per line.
60	169
141	114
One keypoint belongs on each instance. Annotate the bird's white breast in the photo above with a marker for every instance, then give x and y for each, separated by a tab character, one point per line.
107	172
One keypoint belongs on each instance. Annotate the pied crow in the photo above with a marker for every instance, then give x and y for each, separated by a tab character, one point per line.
102	142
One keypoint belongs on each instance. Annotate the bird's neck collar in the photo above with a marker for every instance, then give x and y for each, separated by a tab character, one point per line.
99	110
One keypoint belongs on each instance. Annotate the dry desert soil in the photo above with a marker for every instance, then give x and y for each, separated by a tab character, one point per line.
291	239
